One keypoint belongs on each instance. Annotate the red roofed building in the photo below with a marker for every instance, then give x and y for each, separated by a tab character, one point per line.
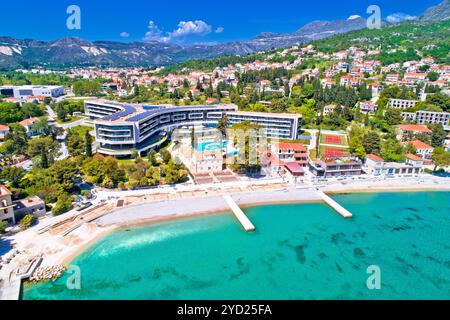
291	152
377	166
4	130
374	164
28	124
413	160
295	169
414	77
272	163
423	150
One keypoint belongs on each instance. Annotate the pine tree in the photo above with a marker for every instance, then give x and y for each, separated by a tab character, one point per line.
366	120
88	146
44	159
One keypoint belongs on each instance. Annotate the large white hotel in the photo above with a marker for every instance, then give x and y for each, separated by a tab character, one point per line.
121	128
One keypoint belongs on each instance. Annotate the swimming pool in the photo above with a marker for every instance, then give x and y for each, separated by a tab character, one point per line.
212	146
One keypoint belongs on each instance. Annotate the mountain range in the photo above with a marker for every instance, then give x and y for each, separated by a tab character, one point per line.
66	52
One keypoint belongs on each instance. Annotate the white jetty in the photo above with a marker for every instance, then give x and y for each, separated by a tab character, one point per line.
336	206
240	215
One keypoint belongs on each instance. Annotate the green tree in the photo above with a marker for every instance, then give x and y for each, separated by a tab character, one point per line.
441	158
63	205
372	143
88	142
44	159
3	226
223	125
433	76
13	175
27	221
44	145
75	143
393	117
438	135
165	155
152	157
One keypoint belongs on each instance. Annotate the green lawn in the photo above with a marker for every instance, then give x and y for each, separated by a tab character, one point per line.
82	130
69	120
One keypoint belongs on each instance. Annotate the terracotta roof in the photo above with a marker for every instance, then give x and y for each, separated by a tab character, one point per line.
375	158
4	191
296	147
413	157
414	127
3	127
421	145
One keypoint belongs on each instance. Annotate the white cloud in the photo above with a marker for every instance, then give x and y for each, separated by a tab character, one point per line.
154	33
219	30
185	29
398	17
354	17
124	35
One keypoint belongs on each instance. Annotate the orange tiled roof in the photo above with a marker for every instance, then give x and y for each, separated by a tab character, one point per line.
414	127
29	122
296	147
375	157
420	145
413	157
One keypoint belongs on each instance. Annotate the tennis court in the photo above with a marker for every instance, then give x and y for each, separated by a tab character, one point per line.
333	139
334	153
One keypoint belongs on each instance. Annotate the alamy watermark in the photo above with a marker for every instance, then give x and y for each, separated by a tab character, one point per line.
73	22
374	21
374	280
74	280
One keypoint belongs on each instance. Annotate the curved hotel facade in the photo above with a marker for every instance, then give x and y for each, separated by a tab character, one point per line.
120	128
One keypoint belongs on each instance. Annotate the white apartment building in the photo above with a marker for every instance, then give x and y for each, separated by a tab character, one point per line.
425	117
22	92
402	104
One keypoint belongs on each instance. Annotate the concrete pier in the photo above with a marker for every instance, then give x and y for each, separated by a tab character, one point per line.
336	206
240	215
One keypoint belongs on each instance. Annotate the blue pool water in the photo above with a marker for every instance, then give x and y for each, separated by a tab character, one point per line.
212	146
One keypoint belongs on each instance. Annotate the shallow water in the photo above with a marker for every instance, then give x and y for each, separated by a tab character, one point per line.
299	251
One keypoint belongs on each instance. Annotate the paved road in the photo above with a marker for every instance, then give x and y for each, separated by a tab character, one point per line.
51	112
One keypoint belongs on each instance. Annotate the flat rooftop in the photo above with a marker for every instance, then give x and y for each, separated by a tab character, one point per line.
267	114
132	112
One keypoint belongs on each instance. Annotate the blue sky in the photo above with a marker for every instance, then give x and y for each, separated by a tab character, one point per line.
204	20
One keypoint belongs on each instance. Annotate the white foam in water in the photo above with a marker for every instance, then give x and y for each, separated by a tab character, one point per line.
143	239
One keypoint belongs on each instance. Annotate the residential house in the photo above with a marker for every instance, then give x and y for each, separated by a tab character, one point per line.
423	150
4	130
329	168
28	124
291	152
6	206
376	166
33	205
406	131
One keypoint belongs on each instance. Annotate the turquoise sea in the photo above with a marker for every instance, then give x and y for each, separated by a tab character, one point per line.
299	251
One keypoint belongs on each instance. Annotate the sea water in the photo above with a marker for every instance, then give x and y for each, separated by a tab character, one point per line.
299	251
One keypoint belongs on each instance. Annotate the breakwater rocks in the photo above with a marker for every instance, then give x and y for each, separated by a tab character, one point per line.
47	273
